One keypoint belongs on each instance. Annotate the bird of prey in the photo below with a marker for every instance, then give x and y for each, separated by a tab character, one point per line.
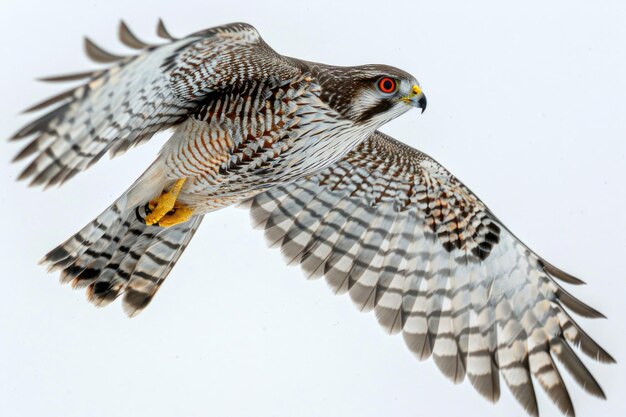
297	142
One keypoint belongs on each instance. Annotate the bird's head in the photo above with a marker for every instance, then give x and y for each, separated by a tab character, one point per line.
372	94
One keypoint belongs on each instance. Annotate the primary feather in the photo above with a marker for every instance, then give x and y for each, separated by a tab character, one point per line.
297	142
402	236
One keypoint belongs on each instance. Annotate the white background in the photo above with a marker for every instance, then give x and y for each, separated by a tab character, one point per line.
526	106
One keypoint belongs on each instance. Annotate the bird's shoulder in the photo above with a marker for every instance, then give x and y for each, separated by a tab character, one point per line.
237	31
225	57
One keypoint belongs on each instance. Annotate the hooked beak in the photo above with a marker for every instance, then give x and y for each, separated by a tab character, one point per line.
416	98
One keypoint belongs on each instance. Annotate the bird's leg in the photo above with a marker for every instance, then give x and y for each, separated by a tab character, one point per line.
165	212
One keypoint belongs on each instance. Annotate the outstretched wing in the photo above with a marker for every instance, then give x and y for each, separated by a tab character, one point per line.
126	103
403	237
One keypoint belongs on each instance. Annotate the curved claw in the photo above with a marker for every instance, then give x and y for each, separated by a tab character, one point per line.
164	211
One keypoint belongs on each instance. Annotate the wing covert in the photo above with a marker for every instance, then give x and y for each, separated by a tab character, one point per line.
405	238
126	103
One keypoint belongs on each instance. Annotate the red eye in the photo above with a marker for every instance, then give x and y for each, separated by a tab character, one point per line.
387	85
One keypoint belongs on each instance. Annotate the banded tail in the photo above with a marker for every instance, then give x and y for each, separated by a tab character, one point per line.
118	254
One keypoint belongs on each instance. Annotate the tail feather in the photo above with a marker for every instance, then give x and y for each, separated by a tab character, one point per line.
155	264
65	254
118	254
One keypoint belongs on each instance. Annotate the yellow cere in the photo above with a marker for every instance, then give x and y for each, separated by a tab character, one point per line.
417	90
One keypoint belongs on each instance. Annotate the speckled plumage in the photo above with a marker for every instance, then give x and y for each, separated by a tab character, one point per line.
297	142
403	237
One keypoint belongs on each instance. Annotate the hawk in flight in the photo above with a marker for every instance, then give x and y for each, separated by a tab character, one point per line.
297	142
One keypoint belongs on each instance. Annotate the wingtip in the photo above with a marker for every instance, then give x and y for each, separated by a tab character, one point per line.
17	135
163	32
27	172
24	153
128	38
98	54
66	77
59	98
560	274
577	306
598	393
607	358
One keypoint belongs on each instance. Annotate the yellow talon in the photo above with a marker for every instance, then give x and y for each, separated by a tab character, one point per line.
179	215
165	203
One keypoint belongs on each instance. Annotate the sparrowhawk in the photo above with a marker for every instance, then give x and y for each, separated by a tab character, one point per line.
297	143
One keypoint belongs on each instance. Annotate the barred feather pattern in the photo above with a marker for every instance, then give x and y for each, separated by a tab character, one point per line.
245	119
136	96
403	237
116	109
255	136
240	133
117	254
382	222
236	56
